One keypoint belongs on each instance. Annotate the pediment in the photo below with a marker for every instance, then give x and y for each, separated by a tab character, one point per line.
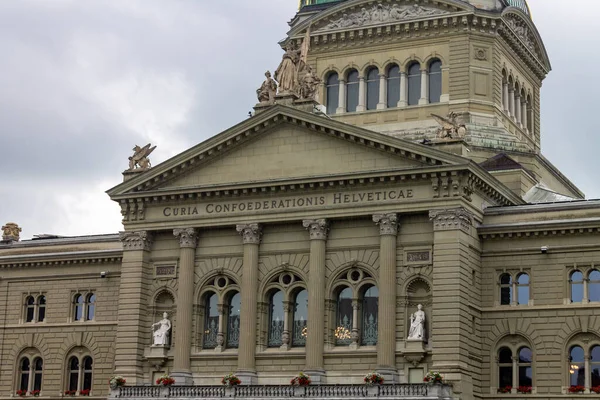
522	27
283	144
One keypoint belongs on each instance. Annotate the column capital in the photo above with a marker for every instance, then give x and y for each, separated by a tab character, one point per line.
140	240
188	237
317	228
251	233
451	219
388	223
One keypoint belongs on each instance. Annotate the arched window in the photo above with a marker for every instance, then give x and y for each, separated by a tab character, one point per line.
233	321
211	321
370	306
524	365
352	91
595	365
90	307
24	371
80	375
505	289
87	373
372	88
73	374
41	308
393	86
414	84
300	317
78	307
344	318
594	285
576	282
576	366
38	369
276	319
523	289
29	309
505	367
333	93
435	81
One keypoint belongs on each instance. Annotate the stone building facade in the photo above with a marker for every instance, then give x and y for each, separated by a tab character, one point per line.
305	238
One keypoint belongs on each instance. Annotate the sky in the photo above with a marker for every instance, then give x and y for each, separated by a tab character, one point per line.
83	81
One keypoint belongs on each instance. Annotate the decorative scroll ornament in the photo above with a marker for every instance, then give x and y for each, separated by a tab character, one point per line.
317	228
11	232
251	233
141	240
140	159
188	237
388	223
381	13
457	218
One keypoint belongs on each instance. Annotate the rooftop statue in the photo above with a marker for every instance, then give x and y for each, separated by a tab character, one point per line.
11	232
140	159
452	127
309	83
287	72
267	91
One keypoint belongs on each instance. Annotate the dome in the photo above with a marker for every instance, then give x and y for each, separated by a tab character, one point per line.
520	4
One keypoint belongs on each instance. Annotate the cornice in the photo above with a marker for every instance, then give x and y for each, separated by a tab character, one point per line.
58	259
575	226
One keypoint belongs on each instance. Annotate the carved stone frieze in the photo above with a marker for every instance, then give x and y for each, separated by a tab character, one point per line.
317	228
133	211
141	240
380	14
520	28
188	237
450	219
251	233
388	223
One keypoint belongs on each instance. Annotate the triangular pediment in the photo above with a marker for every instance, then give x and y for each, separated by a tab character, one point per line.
284	144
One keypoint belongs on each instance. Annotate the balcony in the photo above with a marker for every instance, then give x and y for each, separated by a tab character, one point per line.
277	392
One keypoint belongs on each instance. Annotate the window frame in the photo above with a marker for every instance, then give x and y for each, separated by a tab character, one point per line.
515	344
80	372
436	74
85	305
372	84
395	81
32	356
332	88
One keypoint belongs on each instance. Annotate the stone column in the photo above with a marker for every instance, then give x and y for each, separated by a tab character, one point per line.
288	306
315	342
505	97
515	373
382	105
341	98
188	240
511	102
424	87
386	329
251	236
361	94
588	371
518	108
403	90
133	331
354	335
524	113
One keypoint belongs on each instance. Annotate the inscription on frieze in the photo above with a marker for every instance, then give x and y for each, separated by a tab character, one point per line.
418	257
165	271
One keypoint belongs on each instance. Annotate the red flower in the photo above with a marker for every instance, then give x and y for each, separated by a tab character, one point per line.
85	392
505	389
35	393
524	389
595	389
576	389
165	381
21	393
70	392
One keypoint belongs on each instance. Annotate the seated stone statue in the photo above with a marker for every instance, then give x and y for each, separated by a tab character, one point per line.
417	325
161	331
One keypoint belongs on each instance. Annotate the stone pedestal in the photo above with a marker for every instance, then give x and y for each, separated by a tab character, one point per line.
247	377
390	375
260	107
132	173
307	105
183	378
286	99
414	351
157	356
317	376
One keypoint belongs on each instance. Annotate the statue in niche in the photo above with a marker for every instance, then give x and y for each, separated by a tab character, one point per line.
309	83
140	157
417	324
161	331
287	72
268	89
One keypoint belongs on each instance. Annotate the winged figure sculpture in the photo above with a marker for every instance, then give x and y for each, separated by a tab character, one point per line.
451	127
140	159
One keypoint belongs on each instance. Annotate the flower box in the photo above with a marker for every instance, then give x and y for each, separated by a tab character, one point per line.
434	377
524	389
301	380
165	380
22	393
70	392
595	389
373	378
576	389
84	392
505	389
116	381
231	380
35	393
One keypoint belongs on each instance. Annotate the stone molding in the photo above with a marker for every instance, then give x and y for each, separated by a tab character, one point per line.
388	223
188	237
251	233
317	228
139	240
451	219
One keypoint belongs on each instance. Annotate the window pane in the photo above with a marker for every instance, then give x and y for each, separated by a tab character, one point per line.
74	373
505	376
505	279
37	381
577	366
30	313
300	318
414	84
88	363
577	292
594	286
372	89
91	307
78	312
344	318
333	93
233	322
393	86
595	365
505	295
41	308
24	381
87	381
370	307
352	91
523	289
276	319
523	279
525	376
211	322
74	363
435	81
505	356
525	355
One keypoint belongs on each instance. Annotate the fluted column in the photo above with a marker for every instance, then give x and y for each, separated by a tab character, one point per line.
318	230
403	90
251	236
382	105
424	87
341	98
361	94
188	240
386	328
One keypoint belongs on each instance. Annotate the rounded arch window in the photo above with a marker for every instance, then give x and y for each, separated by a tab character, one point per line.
41	308
352	91
73	374
372	88
505	367
525	370
276	319
523	289
414	84
594	285
300	318
576	281
576	366
332	92
91	306
24	370
370	309
505	289
233	320
435	81
29	309
79	305
344	317
211	320
595	365
393	86
88	363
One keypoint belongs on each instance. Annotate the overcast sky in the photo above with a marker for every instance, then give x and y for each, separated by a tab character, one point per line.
82	81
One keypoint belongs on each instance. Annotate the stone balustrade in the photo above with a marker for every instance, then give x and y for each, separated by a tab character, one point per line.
275	392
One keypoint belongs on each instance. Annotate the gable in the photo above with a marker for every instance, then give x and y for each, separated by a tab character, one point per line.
290	151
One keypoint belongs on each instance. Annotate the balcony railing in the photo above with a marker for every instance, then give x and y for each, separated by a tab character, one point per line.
275	392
